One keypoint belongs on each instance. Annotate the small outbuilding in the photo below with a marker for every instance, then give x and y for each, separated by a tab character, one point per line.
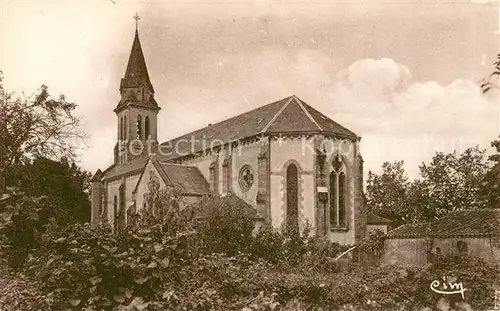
460	233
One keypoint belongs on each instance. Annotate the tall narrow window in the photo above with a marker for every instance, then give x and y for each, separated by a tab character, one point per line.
342	199
125	135
225	176
338	192
121	209
333	198
146	127
213	178
120	132
139	127
115	211
292	206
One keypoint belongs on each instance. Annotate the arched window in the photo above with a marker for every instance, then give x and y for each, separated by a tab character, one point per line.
146	127
292	204
342	199
115	211
120	129
338	191
333	198
121	208
125	128
139	127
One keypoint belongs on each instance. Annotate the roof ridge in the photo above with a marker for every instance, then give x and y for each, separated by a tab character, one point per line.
306	112
277	114
160	169
226	120
175	164
330	119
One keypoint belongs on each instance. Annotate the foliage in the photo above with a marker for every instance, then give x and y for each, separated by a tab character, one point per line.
178	261
65	186
487	84
78	267
490	187
33	126
224	227
453	181
387	193
447	183
19	224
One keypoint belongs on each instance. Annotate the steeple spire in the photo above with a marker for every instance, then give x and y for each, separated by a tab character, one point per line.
136	74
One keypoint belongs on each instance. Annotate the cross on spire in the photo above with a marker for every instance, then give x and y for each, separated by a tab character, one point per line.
137	18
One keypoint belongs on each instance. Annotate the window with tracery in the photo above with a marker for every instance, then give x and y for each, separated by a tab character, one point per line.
337	193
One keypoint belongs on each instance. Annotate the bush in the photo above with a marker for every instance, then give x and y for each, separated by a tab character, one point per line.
171	262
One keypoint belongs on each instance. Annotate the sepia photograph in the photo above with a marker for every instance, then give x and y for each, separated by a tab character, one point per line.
250	155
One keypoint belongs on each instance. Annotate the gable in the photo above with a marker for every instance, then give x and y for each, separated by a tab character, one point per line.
187	179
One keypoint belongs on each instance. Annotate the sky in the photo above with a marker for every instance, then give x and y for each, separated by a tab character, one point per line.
403	75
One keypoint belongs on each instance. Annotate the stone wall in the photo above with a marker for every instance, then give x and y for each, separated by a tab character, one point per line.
96	200
283	152
405	251
483	248
246	154
347	151
112	189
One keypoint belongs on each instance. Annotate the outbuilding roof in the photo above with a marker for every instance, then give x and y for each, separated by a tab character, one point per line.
465	223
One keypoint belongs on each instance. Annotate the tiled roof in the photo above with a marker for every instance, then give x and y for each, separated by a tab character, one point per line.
477	222
374	219
135	165
328	125
409	231
186	178
231	201
468	223
288	115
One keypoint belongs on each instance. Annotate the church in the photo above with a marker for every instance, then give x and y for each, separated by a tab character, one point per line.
285	159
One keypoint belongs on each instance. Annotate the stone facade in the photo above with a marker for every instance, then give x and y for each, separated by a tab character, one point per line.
474	232
278	158
416	251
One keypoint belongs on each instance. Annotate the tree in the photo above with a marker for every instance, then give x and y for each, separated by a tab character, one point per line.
490	186
453	182
387	193
487	84
35	126
448	182
65	186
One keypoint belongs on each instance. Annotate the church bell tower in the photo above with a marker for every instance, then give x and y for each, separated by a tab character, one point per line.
137	109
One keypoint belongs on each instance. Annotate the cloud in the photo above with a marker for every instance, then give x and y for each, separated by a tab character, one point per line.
375	78
402	119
